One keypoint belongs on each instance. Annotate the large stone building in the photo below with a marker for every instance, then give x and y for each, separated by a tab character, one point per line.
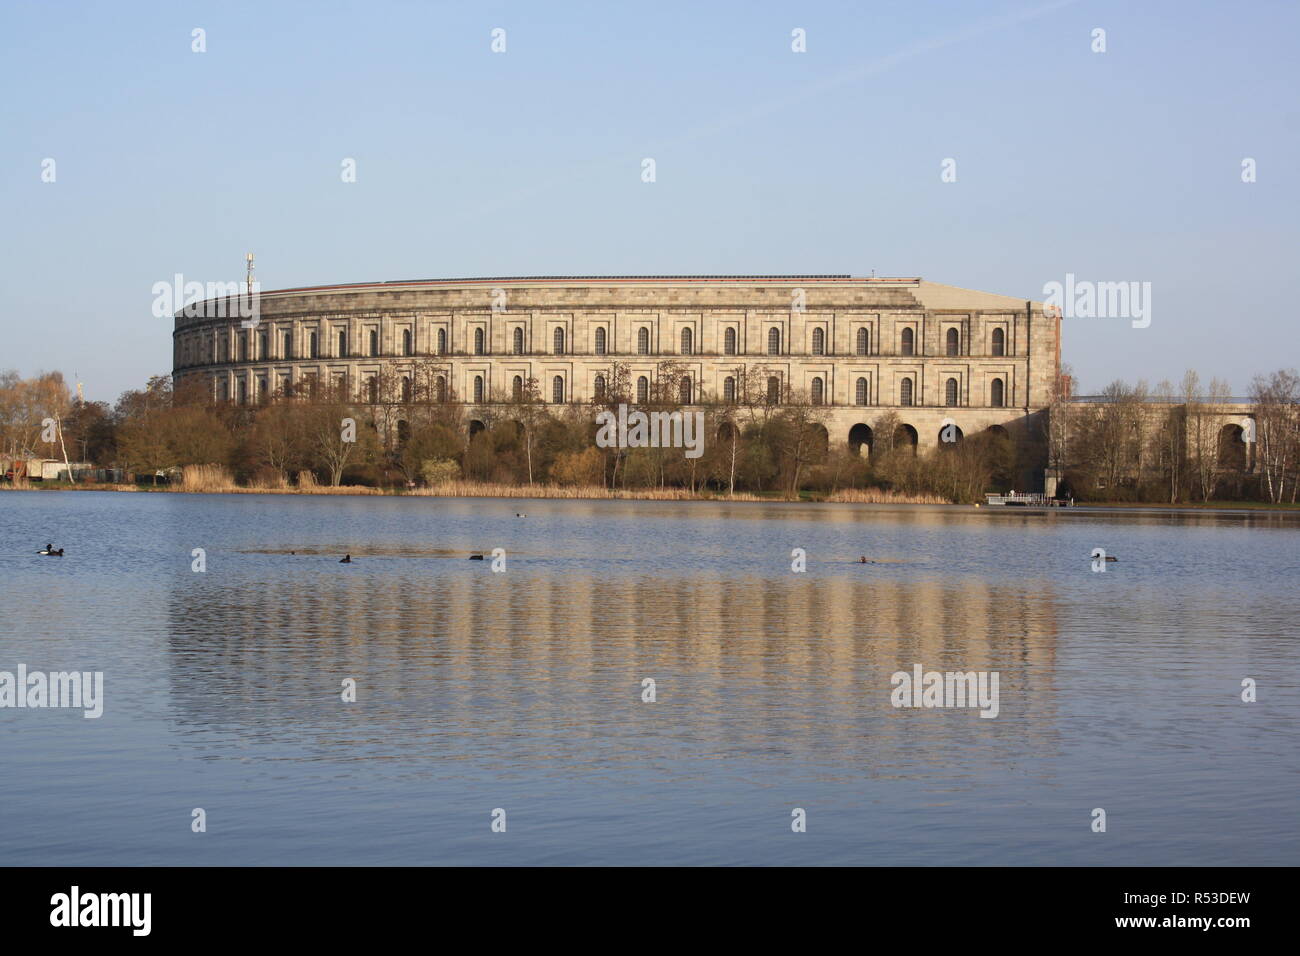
932	354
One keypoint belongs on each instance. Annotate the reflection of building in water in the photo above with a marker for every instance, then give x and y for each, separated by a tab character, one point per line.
448	659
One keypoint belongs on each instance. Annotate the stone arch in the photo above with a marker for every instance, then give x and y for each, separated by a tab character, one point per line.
1232	449
860	435
905	437
727	431
949	435
475	426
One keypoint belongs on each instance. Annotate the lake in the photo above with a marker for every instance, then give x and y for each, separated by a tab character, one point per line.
522	689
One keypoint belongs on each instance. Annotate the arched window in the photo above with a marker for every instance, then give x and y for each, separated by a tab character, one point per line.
905	392
478	388
864	342
729	388
519	341
999	342
600	340
243	346
343	342
440	388
684	390
600	386
372	389
442	341
557	390
643	341
557	341
313	350
687	341
774	391
407	342
288	345
263	346
909	342
729	339
517	387
374	342
478	341
773	341
997	395
950	392
642	389
860	393
406	389
953	342
819	342
817	391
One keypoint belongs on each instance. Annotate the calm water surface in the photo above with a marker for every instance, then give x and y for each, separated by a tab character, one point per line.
522	690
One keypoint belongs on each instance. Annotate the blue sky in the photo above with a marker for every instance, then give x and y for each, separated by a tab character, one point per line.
1115	166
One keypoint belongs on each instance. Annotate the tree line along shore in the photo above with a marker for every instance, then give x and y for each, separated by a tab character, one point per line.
1127	449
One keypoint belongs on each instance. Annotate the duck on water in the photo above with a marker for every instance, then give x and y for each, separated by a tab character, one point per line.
49	551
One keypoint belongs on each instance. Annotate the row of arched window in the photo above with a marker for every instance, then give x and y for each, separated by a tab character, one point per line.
686	390
907	342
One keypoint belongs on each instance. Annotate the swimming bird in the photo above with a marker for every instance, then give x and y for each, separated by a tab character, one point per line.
50	552
520	515
862	560
476	557
346	559
1111	557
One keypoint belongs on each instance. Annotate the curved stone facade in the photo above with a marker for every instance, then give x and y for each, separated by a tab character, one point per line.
862	346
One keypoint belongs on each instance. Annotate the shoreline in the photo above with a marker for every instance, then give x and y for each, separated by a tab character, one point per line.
561	493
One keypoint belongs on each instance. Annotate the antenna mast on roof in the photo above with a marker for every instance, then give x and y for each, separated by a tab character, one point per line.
249	259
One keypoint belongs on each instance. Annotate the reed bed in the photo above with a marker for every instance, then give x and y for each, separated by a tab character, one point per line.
216	479
882	496
483	489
